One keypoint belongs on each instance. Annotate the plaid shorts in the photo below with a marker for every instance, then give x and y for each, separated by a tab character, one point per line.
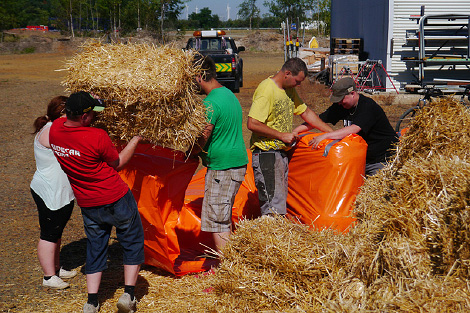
219	194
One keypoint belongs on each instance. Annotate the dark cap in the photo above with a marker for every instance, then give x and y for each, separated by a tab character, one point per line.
83	102
342	88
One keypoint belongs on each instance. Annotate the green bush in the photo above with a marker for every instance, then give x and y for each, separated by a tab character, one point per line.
5	37
28	50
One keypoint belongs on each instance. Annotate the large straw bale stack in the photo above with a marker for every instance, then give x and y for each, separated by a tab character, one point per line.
148	91
421	203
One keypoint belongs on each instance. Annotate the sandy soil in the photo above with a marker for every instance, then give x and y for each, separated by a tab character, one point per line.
27	83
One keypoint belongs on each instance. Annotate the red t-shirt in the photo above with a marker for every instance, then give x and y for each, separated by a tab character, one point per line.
84	154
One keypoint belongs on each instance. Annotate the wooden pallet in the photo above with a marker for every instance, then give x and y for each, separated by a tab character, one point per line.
346	46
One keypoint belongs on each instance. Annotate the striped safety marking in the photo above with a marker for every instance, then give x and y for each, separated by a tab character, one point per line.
223	67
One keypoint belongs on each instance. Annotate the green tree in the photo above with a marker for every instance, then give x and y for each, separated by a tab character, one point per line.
204	20
21	13
96	15
269	21
294	10
169	12
321	14
325	14
249	10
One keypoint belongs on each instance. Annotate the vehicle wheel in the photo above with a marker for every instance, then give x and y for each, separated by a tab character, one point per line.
241	76
405	120
235	85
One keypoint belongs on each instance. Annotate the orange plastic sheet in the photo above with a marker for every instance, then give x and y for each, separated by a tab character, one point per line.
169	199
321	191
193	241
158	179
324	182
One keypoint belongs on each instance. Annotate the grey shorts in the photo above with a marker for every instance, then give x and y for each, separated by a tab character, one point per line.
270	170
219	194
373	168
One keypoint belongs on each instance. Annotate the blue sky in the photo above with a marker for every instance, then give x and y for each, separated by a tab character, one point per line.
219	7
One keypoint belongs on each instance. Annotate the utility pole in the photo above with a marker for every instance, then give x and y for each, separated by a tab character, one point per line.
318	18
138	16
80	17
114	20
92	19
71	19
162	17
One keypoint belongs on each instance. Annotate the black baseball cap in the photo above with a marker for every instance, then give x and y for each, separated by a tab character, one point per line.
83	102
341	88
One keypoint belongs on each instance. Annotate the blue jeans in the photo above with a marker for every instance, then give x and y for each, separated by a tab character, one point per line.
98	222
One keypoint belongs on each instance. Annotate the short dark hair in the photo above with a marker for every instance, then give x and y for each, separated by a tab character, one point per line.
208	69
295	66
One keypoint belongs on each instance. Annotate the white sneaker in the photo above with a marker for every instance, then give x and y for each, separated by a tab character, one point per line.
90	308
64	274
55	283
126	305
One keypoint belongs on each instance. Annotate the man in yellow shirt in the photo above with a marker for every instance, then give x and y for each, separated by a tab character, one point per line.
270	119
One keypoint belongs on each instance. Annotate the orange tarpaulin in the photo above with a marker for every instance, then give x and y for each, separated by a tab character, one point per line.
323	185
321	190
158	179
169	198
192	241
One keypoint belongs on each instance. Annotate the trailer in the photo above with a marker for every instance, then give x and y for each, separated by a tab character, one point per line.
387	29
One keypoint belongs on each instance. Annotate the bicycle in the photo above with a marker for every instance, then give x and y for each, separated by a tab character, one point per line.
405	119
466	93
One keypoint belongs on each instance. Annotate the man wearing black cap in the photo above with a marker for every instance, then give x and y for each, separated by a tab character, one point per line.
90	160
361	115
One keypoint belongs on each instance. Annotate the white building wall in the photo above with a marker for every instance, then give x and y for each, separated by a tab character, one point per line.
400	11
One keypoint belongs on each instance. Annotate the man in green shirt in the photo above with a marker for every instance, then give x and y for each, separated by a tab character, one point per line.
223	153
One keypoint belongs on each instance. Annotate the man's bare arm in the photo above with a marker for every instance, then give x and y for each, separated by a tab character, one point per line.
315	121
262	129
202	140
337	134
126	154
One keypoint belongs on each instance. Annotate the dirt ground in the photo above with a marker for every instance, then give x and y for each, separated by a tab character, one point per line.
27	83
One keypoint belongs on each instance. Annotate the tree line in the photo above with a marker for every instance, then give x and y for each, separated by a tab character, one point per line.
125	16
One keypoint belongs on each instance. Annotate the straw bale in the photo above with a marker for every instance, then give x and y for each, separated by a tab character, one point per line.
273	263
441	127
148	91
422	199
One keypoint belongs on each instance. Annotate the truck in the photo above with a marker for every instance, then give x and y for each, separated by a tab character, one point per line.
225	53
